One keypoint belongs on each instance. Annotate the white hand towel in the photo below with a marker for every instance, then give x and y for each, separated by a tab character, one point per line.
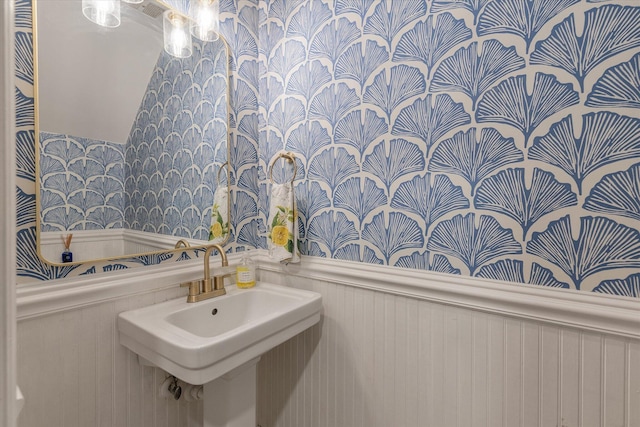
283	224
219	215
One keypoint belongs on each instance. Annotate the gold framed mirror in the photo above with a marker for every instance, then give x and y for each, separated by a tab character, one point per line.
132	144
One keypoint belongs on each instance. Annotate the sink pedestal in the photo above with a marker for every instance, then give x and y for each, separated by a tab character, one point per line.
230	401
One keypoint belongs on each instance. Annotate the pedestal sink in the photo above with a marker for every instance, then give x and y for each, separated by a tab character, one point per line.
218	342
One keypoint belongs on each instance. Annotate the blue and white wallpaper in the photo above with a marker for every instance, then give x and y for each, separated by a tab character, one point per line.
177	145
495	138
82	183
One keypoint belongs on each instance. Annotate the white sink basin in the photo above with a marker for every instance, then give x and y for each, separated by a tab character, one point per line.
199	342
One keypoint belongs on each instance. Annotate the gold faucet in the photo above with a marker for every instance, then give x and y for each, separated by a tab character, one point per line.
208	287
182	243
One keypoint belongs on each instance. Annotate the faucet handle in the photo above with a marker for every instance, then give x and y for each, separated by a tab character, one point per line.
194	289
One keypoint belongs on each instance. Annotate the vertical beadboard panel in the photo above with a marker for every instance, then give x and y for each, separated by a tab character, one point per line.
550	376
383	360
633	385
530	369
616	359
74	372
375	359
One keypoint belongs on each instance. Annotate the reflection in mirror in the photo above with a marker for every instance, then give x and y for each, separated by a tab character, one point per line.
133	142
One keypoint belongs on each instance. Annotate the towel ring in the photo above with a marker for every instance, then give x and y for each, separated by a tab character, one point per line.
220	170
290	158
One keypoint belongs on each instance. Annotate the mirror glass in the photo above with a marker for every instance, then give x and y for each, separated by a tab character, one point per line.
133	142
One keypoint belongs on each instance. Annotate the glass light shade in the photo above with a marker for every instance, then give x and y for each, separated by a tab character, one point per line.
177	39
205	19
102	12
133	1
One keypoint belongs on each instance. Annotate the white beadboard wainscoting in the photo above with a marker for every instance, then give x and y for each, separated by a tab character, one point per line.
394	348
406	348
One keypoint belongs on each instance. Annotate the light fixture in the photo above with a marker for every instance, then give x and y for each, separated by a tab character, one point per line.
133	1
102	12
177	39
205	19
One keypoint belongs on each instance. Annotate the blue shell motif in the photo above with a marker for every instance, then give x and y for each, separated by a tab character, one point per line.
287	56
523	18
509	102
474	159
387	23
24	110
430	119
333	39
606	138
359	7
24	56
281	9
354	64
404	158
511	270
629	287
404	82
286	114
420	261
603	244
333	166
619	86
23	9
608	31
308	79
243	208
430	41
507	193
248	126
271	34
333	103
26	208
311	198
358	131
25	148
333	230
472	73
308	138
474	246
359	198
308	19
401	233
473	6
617	193
430	200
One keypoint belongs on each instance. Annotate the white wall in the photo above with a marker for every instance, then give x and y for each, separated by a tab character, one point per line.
394	348
8	215
80	64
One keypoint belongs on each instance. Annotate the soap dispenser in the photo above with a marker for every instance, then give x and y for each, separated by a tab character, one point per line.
246	272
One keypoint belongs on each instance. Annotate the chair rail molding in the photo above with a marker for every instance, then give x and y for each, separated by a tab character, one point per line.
587	311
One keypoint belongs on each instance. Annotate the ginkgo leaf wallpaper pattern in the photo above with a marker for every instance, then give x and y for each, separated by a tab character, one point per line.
496	138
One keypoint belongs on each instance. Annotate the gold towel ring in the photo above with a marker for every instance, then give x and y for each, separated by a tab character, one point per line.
220	170
290	158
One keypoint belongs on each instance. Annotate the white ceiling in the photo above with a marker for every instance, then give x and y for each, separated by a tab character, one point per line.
92	79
